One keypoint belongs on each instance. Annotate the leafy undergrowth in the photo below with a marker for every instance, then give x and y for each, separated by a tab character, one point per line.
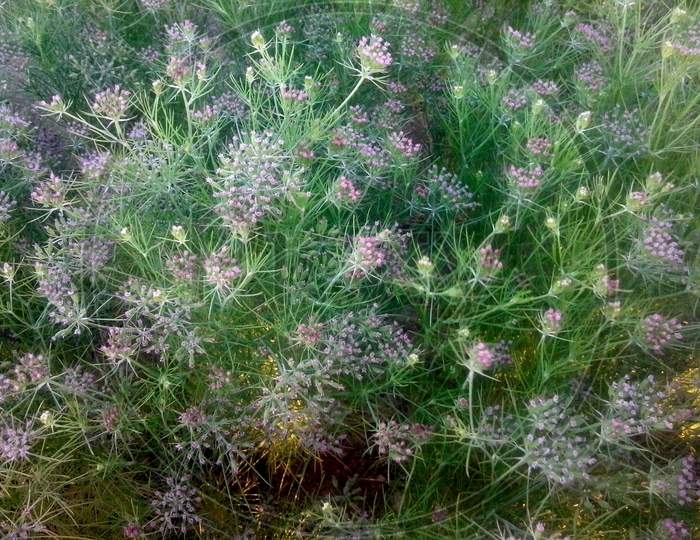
349	270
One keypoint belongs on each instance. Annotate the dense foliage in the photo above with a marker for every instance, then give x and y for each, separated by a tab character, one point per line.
282	269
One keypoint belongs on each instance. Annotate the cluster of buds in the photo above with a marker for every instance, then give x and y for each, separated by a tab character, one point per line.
551	322
373	53
112	103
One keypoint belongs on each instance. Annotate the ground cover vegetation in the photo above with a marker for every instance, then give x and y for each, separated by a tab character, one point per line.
284	269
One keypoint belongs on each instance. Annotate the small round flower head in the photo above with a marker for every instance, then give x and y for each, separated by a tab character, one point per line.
636	200
78	382
309	334
293	95
660	332
596	35
16	441
377	254
526	179
635	408
442	192
483	357
347	191
489	259
373	53
183	267
604	285
398	441
50	193
30	369
545	88
109	419
540	147
519	40
193	417
591	77
112	103
515	99
658	243
554	445
624	134
686	43
94	166
551	322
221	270
175	508
358	115
395	106
284	29
403	144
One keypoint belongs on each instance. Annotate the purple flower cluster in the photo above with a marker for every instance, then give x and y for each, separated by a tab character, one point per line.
373	53
50	193
687	482
483	357
554	445
94	166
675	530
591	76
284	29
347	190
551	322
309	334
515	99
16	441
250	181
56	285
526	179
9	150
545	88
293	95
183	266
539	147
658	243
90	254
635	408
520	40
7	205
403	144
112	103
605	285
358	115
414	47
660	332
78	382
687	43
398	442
624	134
443	191
231	105
596	35
11	121
394	106
29	370
489	260
358	343
379	253
175	508
221	270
